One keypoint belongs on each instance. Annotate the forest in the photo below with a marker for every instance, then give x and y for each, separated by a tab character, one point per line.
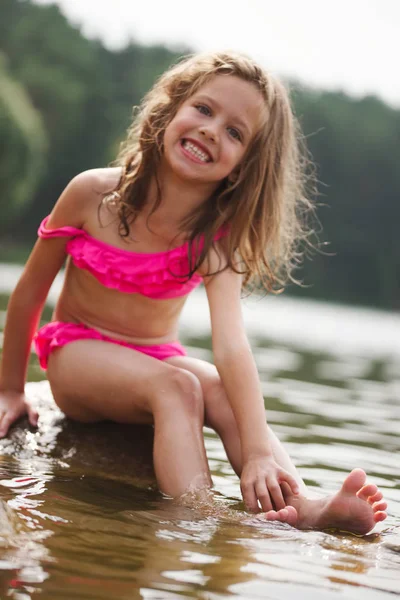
66	103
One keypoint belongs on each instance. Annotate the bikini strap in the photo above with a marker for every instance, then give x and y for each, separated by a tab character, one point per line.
66	231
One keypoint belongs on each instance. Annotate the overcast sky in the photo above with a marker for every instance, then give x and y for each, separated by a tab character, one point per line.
352	45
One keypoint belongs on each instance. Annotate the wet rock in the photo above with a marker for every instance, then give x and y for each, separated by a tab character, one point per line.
107	450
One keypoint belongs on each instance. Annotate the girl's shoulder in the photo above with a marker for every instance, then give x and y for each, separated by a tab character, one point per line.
97	181
81	197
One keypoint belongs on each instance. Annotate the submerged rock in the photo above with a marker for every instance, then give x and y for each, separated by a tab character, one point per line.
107	450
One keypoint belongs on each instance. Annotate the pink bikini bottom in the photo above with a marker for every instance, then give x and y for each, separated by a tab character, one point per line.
56	334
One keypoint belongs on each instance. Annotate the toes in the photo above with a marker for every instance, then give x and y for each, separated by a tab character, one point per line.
285	515
271	515
292	515
376	497
379	506
354	481
366	491
380	516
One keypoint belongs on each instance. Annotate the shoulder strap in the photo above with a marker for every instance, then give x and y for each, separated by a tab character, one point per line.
66	231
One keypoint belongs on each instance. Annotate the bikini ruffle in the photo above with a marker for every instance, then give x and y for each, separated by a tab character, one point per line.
156	276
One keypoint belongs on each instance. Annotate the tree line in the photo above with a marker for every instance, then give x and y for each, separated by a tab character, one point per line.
65	105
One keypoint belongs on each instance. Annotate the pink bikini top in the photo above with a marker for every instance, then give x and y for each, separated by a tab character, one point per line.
157	275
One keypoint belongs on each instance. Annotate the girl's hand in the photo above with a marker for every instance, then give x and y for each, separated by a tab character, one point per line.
13	406
261	481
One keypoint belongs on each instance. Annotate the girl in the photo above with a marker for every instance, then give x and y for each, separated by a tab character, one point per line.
208	187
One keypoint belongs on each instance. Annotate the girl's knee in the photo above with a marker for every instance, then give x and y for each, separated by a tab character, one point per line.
179	390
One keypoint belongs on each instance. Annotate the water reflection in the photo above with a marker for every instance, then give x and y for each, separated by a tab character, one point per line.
80	516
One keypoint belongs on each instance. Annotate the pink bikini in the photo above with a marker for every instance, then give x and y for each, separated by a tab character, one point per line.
158	275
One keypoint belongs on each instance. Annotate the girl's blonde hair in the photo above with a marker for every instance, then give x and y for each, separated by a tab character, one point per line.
264	207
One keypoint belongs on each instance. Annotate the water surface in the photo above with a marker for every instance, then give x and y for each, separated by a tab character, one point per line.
81	518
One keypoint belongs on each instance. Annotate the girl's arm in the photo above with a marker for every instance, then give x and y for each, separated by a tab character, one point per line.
261	475
23	314
24	310
26	305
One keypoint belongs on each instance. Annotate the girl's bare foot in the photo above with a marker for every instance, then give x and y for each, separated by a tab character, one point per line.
356	508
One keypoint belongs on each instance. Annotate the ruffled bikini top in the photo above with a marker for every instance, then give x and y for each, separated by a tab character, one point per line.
158	275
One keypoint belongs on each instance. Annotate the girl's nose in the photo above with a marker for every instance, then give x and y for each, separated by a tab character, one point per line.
209	133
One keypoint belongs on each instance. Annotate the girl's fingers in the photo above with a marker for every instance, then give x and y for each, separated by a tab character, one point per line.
270	493
33	417
263	495
5	422
249	497
292	482
277	496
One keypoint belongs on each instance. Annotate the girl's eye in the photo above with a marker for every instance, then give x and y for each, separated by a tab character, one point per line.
203	109
234	133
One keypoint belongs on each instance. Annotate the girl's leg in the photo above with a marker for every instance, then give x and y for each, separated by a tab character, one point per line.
219	416
356	507
93	380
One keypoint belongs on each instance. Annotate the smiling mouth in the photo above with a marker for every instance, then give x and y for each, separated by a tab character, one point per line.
196	151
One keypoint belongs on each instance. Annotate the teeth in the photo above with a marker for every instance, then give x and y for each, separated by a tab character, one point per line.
195	150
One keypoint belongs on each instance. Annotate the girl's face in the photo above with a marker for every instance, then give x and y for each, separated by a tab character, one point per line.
210	133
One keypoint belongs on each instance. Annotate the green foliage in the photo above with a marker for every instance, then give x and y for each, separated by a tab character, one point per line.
22	158
354	143
83	92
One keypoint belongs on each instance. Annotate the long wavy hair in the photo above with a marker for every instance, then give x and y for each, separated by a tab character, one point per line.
265	207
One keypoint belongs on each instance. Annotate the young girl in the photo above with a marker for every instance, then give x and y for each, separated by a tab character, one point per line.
208	187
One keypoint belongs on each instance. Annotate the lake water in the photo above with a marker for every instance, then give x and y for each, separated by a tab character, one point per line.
80	517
